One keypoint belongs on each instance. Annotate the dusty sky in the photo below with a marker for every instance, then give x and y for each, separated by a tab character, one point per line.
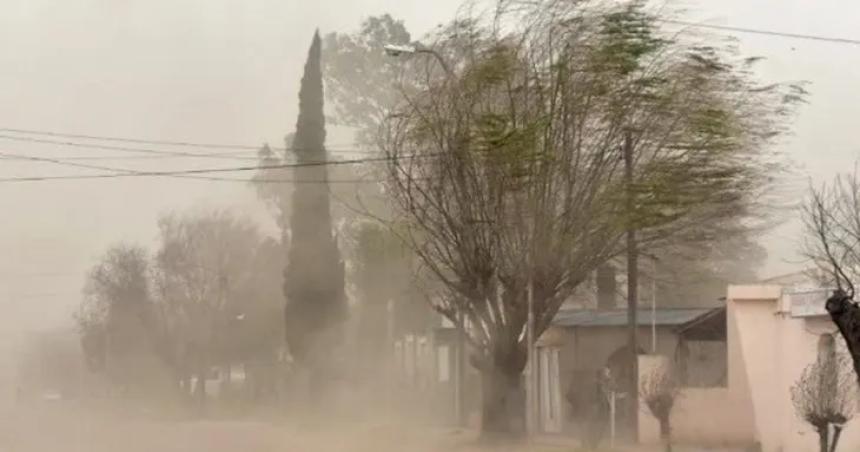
227	71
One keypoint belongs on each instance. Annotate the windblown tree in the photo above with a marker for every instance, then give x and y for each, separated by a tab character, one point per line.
825	396
314	276
507	170
697	272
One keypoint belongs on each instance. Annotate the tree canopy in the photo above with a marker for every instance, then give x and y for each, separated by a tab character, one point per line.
507	170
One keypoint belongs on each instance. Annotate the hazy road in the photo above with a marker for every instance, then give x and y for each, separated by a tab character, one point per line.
64	430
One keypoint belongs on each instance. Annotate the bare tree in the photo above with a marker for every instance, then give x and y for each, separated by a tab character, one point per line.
205	273
659	390
832	242
506	170
825	396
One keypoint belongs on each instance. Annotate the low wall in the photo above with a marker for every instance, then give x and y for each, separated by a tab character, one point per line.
700	416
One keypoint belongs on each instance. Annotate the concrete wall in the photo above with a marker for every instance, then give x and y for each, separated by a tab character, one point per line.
585	350
767	352
701	416
777	347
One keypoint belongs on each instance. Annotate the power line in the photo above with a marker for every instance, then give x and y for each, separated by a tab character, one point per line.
150	151
40	275
26	296
137	140
109	157
763	32
192	173
118	148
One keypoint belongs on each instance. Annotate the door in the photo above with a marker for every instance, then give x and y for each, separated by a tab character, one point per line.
549	390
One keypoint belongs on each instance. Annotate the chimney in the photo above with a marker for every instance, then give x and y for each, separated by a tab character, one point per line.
607	287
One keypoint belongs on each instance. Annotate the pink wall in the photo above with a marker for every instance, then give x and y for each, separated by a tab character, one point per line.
701	416
767	351
777	347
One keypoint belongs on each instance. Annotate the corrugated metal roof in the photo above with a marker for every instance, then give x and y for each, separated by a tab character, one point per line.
618	317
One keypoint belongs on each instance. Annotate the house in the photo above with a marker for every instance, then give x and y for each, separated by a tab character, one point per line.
430	369
773	333
581	342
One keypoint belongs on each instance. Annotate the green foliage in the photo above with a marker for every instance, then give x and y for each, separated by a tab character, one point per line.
314	277
626	37
524	140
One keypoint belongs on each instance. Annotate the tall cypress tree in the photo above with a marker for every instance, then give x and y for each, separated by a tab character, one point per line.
314	276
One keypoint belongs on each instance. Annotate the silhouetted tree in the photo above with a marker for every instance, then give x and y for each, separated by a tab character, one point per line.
832	229
314	276
120	331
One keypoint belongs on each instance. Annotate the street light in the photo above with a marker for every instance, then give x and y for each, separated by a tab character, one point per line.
395	51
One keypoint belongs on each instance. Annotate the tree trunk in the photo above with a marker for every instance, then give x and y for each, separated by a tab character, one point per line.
666	433
837	431
823	437
846	315
502	403
200	391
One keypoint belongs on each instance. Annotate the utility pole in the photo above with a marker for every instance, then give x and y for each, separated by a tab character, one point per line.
531	418
460	370
391	349
654	307
632	291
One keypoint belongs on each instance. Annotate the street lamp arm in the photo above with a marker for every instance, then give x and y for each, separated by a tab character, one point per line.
398	50
438	57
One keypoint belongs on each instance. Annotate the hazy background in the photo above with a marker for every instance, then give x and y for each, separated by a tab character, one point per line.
227	71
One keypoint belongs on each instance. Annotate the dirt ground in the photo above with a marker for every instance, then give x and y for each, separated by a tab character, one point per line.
70	429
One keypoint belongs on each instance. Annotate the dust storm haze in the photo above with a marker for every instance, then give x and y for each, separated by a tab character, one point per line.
209	236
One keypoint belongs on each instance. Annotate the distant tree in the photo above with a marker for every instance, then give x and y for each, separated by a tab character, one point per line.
696	273
314	276
91	322
256	325
206	279
380	274
117	321
361	80
825	396
659	390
